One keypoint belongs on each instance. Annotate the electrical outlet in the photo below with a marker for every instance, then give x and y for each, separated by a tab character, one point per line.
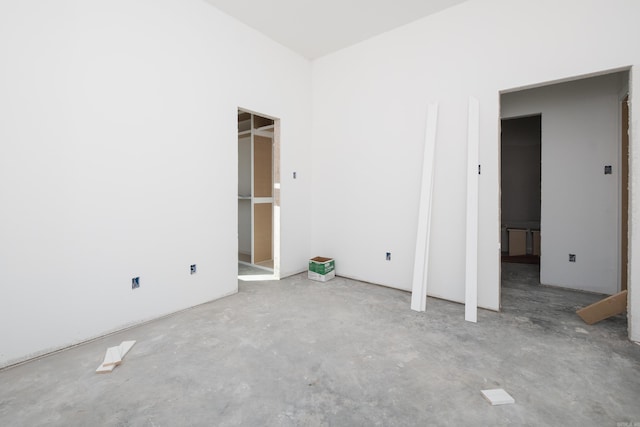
295	175
572	257
608	170
135	283
388	256
193	269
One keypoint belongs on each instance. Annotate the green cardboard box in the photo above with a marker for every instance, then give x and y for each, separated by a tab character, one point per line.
322	269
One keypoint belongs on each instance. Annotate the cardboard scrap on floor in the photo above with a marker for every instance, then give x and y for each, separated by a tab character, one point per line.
497	396
114	357
603	309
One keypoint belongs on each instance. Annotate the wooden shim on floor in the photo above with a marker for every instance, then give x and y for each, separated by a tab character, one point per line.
473	171
610	306
421	262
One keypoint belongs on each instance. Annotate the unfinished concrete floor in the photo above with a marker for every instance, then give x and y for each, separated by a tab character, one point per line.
344	353
252	270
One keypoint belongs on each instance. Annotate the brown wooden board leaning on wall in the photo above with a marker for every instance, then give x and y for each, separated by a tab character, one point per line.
610	306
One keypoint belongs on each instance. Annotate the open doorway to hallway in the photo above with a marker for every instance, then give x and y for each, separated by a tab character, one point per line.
582	180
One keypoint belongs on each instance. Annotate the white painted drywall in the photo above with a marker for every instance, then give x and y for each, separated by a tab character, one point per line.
369	104
421	263
118	158
580	204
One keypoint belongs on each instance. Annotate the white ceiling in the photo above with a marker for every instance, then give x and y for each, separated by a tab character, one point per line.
315	28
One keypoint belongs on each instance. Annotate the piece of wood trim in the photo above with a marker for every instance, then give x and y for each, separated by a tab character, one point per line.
603	309
257	200
125	347
102	369
624	196
112	357
421	262
473	170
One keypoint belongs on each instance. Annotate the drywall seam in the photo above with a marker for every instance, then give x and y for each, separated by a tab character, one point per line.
421	264
473	171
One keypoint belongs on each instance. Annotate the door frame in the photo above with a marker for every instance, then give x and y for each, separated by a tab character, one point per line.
624	194
276	214
632	309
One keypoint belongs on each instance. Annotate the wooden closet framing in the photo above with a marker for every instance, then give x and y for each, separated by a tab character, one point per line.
256	189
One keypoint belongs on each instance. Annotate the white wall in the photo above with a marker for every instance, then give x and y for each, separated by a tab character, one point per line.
369	114
118	158
580	205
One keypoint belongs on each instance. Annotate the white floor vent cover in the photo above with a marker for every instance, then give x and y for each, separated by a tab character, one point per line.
497	396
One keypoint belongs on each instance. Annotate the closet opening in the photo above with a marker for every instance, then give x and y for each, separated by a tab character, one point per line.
258	196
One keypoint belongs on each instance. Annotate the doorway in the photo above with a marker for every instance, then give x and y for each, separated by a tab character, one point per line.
258	196
520	158
583	182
